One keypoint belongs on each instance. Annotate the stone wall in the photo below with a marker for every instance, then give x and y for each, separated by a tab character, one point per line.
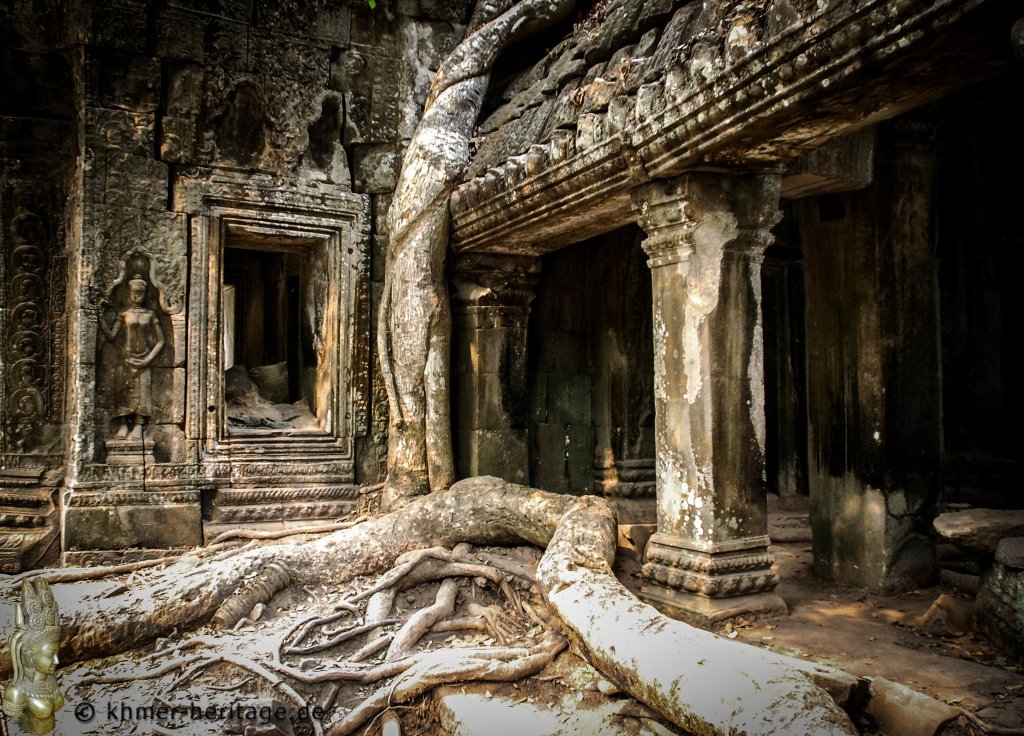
130	132
37	134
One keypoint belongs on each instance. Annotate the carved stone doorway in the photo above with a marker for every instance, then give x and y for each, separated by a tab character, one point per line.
278	318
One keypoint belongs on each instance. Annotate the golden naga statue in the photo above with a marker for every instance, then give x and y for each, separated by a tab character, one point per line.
33	693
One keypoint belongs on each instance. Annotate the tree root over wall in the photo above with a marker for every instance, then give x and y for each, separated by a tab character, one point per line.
703	684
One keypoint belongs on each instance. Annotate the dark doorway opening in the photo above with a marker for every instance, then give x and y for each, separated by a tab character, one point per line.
591	366
264	350
785	393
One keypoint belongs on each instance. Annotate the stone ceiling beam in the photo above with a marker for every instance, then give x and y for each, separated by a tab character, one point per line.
842	69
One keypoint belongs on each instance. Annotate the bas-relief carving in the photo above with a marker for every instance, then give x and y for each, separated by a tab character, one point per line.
33	321
32	270
134	375
325	157
161	259
28	343
141	340
254	110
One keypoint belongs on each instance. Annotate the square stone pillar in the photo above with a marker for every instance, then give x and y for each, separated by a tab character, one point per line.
874	374
707	233
491	308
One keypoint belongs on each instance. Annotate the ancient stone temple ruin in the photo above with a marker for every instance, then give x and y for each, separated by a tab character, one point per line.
705	251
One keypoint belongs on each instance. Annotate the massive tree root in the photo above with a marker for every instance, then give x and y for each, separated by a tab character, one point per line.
414	327
694	679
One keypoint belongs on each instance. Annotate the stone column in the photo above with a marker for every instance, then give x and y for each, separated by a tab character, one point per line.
707	233
491	307
874	389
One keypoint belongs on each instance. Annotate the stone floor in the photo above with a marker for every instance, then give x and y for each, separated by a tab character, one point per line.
858	632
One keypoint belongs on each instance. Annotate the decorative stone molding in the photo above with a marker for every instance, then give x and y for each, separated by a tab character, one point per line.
314	215
220	473
28	519
504	281
98	558
735	111
232	507
721	574
279	512
254	496
713	584
131	498
739	556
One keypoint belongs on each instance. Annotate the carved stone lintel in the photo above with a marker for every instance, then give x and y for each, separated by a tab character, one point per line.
737	112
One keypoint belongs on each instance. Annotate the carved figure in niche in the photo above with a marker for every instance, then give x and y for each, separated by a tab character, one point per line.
33	696
28	406
142	341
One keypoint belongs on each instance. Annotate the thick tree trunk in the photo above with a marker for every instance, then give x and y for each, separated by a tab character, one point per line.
414	328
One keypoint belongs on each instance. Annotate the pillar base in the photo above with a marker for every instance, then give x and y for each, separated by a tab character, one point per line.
709	582
700	610
130	452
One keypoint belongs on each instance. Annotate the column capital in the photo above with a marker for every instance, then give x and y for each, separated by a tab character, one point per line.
679	214
494	279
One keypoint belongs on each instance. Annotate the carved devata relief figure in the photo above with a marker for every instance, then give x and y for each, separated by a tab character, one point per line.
33	696
142	339
134	329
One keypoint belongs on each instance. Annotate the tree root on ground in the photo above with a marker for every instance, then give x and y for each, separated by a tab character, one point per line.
669	666
449	666
417	626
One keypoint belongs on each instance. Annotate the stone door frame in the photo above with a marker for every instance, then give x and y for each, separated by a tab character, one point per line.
331	223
